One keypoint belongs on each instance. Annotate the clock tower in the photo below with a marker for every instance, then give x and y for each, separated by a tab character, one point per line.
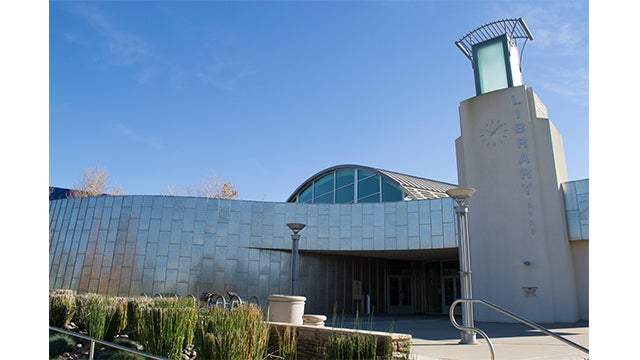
512	154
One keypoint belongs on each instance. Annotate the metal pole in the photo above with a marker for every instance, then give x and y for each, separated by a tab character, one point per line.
294	264
467	336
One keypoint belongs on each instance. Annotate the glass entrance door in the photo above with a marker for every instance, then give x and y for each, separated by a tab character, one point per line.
399	294
451	291
450	285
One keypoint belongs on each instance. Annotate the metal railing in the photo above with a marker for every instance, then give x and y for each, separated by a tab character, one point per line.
511	315
110	344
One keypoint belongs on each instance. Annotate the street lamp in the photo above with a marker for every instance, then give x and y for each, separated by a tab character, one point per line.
460	195
295	227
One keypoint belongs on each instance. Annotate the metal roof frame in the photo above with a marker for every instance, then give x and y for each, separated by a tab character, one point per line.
515	28
416	187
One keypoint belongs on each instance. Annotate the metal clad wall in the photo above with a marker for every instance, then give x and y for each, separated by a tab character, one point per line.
128	245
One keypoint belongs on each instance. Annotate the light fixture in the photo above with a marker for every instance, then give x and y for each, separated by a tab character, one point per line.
460	195
295	237
295	227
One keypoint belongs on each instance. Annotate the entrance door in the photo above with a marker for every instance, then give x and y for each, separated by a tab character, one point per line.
450	285
399	294
450	292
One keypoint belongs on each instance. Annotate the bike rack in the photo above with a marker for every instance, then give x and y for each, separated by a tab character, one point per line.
213	299
511	315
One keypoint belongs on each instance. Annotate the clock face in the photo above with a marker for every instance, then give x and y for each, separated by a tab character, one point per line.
493	133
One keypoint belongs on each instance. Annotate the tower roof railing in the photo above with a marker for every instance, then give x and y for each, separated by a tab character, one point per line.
515	28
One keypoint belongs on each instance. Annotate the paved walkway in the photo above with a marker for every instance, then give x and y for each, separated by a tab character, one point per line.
433	337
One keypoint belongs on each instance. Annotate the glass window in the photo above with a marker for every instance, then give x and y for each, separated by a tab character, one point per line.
450	267
372	198
323	185
363	174
305	195
345	195
491	65
368	186
344	177
326	198
390	192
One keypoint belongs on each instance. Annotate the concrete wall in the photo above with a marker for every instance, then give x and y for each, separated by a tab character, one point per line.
312	341
512	155
580	254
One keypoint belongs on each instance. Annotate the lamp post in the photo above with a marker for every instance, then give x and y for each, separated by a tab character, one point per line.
460	195
295	227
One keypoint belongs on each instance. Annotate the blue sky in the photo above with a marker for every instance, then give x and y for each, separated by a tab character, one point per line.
266	94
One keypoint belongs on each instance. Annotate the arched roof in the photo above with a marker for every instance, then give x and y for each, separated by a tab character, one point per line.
414	188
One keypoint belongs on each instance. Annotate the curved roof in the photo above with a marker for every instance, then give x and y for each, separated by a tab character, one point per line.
415	188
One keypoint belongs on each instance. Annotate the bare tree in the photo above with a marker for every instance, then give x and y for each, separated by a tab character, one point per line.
94	183
175	190
228	191
211	187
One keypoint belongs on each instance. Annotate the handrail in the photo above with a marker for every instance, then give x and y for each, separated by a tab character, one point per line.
460	327
513	316
94	340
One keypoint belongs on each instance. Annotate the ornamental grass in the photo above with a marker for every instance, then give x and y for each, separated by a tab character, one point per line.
62	308
91	314
167	326
236	333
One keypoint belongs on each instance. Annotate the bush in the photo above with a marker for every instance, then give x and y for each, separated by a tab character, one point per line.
167	326
59	344
62	307
237	333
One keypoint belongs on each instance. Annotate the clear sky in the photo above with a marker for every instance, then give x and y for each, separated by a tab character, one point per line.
264	94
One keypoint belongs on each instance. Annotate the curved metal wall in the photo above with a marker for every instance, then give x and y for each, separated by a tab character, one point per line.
128	245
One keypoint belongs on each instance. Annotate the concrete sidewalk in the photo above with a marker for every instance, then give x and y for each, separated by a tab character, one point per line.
433	337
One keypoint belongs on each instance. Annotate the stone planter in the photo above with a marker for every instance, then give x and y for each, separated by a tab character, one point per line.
286	308
313	320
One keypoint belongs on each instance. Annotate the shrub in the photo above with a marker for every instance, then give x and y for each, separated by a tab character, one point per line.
59	344
237	333
167	326
62	307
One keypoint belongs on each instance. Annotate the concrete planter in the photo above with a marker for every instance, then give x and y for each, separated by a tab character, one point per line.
286	309
313	320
